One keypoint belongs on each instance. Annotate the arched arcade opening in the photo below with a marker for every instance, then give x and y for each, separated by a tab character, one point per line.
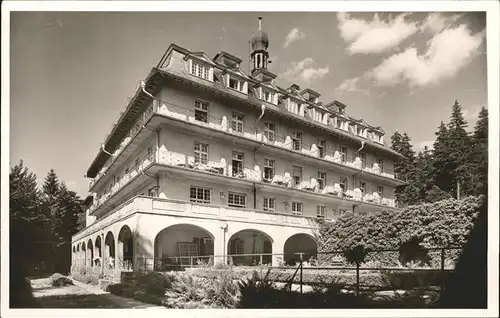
183	245
125	249
250	242
109	250
299	243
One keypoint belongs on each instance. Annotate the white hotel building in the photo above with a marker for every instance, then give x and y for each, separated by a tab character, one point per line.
208	160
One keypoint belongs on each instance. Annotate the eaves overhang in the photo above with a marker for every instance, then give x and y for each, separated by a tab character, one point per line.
136	106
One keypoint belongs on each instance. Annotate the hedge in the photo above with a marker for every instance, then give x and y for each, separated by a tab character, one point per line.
441	224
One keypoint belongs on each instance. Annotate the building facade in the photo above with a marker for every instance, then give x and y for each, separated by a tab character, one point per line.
211	164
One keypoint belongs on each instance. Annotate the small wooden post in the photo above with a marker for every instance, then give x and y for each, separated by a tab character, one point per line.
357	278
442	272
301	260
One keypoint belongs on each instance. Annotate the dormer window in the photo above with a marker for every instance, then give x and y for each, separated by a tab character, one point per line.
293	106
317	115
361	131
200	70
268	95
237	85
377	138
343	124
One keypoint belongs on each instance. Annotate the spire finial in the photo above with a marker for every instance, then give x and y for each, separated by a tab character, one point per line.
260	23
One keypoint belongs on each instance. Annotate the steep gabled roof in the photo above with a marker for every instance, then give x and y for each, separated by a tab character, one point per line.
201	56
236	71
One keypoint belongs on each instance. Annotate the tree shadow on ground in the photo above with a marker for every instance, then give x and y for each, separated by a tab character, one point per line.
75	301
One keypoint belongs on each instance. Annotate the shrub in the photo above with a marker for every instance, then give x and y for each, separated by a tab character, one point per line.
154	283
222	291
117	289
441	224
58	280
87	277
184	289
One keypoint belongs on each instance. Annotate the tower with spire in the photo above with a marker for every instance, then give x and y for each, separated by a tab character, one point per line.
259	43
259	55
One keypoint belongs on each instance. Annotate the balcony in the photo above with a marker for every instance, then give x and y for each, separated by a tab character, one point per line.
188	209
178	162
336	190
224	125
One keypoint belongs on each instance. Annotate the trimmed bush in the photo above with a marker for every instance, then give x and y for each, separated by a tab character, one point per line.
440	224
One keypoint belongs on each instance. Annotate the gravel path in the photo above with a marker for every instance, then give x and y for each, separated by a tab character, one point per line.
81	295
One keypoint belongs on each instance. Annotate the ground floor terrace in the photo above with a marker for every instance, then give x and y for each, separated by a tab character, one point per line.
147	233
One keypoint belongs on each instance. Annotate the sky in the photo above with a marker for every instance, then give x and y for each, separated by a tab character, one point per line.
72	72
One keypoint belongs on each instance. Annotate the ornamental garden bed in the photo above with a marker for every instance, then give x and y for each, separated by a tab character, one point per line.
381	279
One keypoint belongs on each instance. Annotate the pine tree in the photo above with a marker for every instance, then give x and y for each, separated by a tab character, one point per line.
51	186
405	168
66	223
459	147
47	244
26	226
479	153
441	166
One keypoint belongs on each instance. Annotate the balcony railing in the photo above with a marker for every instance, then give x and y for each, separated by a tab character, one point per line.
133	131
226	125
150	204
222	168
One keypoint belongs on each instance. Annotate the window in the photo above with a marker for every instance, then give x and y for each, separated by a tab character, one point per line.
344	125
380	162
317	115
236	84
269	131
362	156
237	163
268	169
237	123
269	204
200	153
297	175
361	131
343	184
201	111
343	153
297	141
267	95
200	70
297	208
200	195
321	180
293	106
321	211
380	190
321	148
362	187
237	200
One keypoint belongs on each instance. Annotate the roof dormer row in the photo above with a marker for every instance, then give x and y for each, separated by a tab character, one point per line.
226	69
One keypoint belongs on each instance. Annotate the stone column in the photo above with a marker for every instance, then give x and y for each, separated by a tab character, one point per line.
220	243
278	250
